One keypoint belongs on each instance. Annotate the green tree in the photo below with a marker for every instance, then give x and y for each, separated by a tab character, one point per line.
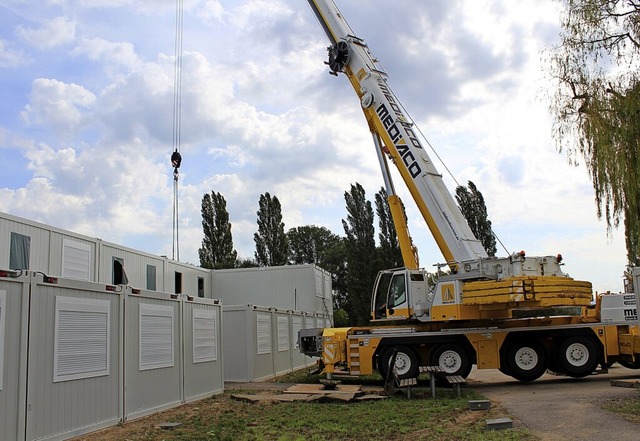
271	241
217	245
596	105
318	245
389	248
474	210
310	243
360	252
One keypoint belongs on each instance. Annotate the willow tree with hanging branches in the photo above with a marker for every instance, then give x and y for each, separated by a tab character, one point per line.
596	105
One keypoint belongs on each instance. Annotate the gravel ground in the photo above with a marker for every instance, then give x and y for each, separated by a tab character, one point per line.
558	408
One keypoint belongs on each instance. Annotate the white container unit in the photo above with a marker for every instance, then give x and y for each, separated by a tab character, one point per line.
74	367
60	253
38	247
291	287
152	351
202	349
249	347
172	350
64	358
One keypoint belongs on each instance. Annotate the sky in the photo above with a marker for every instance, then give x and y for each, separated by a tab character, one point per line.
86	120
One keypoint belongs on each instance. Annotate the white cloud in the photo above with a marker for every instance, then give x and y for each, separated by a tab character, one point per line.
56	104
260	113
55	32
11	58
108	52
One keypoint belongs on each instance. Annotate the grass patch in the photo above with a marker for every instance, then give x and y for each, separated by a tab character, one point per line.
221	418
627	407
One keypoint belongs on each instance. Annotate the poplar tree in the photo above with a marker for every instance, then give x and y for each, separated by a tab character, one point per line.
474	210
389	248
272	247
217	245
360	253
596	105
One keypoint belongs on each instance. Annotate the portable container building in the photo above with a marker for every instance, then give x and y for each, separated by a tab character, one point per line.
66	368
291	287
261	343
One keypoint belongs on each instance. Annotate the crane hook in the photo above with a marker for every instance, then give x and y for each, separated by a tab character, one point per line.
176	159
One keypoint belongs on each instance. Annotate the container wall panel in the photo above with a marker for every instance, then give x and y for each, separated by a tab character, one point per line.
250	343
13	306
135	266
236	327
152	353
203	360
45	244
38	240
189	275
282	349
298	359
58	409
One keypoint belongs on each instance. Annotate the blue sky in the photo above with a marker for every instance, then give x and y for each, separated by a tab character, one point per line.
86	119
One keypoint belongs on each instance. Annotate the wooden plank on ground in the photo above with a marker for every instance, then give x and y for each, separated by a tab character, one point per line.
625	383
319	389
273	397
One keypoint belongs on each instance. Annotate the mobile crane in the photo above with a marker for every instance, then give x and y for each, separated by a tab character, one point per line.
481	311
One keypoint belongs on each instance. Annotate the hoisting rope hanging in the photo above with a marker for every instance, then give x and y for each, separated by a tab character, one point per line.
176	158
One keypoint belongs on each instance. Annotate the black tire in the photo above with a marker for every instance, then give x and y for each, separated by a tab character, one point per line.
453	360
526	361
630	364
578	356
407	365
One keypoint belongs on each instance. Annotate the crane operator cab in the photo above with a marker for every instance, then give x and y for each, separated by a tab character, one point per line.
396	291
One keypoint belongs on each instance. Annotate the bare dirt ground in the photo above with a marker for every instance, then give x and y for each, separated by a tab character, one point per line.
558	408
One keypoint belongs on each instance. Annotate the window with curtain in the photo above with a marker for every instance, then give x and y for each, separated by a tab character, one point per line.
19	251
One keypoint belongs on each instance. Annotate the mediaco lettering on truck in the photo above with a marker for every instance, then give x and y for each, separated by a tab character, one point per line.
394	132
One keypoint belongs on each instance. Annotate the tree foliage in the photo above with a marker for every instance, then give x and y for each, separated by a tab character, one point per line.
389	248
318	245
271	240
596	106
217	245
360	252
474	210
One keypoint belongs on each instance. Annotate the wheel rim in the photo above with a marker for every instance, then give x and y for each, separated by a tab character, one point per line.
577	354
450	361
526	358
403	363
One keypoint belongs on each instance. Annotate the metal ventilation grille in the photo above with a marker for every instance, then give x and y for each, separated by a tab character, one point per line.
81	338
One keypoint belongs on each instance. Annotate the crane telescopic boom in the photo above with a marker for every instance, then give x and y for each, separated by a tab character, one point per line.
388	121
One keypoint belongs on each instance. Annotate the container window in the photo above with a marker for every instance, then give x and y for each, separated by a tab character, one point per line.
119	275
297	326
76	258
19	251
81	342
200	286
151	277
283	334
178	283
205	344
264	333
156	336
